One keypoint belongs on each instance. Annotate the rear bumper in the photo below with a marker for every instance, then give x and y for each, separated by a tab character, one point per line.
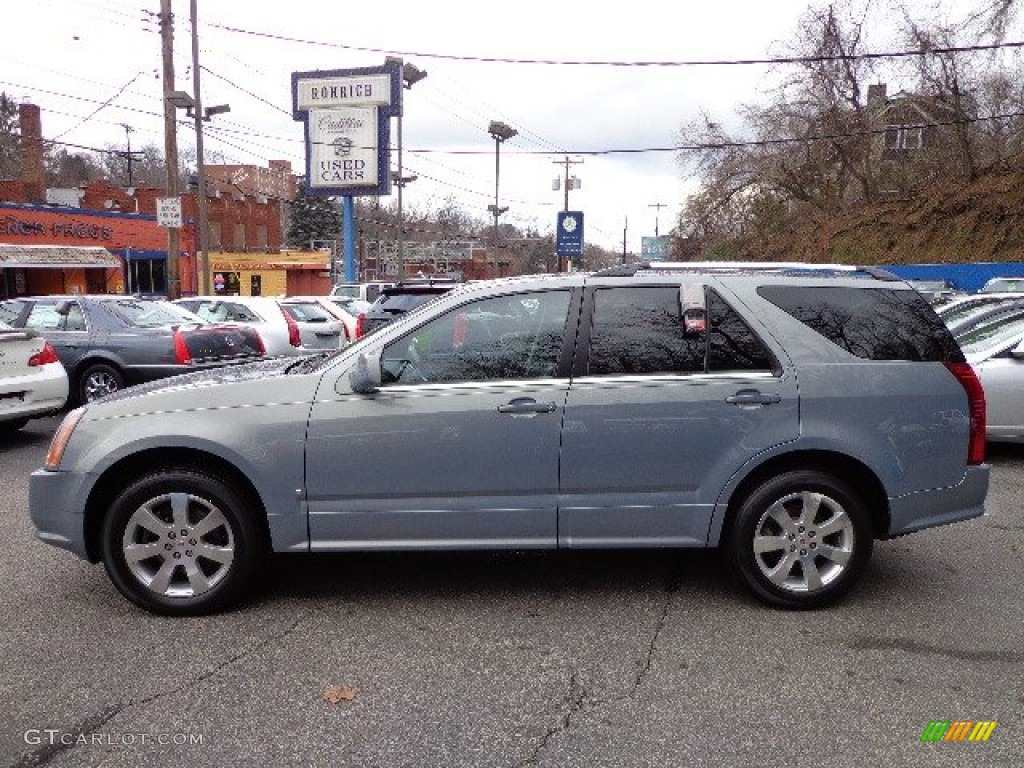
43	391
940	506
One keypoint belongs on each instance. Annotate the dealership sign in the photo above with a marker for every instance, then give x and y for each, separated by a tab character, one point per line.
569	237
346	116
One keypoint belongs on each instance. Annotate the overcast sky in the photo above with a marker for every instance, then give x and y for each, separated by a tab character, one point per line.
93	65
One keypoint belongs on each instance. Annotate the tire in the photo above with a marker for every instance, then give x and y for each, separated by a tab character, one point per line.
800	540
98	380
181	543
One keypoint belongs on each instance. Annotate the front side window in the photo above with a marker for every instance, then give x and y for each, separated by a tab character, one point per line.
506	337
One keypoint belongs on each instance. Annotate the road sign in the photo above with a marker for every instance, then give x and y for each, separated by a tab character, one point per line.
569	236
168	212
655	248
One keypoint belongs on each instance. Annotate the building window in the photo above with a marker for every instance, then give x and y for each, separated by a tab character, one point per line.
904	137
239	237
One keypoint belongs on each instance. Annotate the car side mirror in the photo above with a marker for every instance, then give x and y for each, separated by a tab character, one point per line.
1017	353
364	378
63	306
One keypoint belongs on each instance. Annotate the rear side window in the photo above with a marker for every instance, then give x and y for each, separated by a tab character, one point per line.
639	330
872	323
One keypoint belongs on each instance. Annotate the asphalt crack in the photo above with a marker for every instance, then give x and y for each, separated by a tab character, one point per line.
573	703
45	754
644	665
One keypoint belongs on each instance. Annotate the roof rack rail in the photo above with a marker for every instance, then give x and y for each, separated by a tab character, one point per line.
628	270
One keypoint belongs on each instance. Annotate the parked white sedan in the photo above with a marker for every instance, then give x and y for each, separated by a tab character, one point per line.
344	308
288	326
33	381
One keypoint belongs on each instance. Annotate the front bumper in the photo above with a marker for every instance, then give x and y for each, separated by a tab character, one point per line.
56	506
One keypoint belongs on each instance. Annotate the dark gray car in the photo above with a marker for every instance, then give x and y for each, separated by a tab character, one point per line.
788	416
107	342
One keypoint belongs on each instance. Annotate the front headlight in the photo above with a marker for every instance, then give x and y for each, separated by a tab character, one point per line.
60	439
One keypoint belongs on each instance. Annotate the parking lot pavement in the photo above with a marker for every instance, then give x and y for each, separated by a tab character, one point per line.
517	659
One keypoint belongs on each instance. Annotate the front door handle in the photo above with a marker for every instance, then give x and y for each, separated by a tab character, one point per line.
526	405
752	397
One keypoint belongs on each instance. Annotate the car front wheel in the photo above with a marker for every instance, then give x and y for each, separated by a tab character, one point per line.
180	542
800	540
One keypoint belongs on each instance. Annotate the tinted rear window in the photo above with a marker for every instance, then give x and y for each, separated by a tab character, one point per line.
306	312
873	323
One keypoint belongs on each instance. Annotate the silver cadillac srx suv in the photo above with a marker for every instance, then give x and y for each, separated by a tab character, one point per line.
787	414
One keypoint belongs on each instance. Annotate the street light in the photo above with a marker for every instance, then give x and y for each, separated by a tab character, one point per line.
499	132
411	74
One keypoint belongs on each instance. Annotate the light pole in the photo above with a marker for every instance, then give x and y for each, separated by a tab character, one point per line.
192	107
411	74
500	132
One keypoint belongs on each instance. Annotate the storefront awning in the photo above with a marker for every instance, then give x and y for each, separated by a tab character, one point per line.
56	257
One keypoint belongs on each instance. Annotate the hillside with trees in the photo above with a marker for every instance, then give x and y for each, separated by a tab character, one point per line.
836	167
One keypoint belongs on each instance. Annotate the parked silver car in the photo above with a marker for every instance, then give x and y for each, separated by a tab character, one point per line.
789	416
996	351
287	326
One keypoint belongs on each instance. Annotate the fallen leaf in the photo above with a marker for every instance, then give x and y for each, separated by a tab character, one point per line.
335	694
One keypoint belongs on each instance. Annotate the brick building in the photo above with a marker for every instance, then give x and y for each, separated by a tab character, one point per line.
104	238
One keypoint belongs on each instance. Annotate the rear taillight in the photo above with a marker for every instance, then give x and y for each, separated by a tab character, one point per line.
44	356
259	344
975	407
293	329
360	325
181	354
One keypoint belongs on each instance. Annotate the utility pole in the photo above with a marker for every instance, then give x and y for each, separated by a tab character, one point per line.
170	147
203	259
625	229
657	209
129	154
572	183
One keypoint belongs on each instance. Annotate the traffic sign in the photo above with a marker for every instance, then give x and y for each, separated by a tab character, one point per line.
168	212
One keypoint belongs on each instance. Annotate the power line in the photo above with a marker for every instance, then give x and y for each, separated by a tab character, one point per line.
936	51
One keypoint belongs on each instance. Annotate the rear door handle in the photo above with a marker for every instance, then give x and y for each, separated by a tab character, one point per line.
526	405
752	397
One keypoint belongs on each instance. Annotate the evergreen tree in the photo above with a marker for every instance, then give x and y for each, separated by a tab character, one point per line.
313	218
10	161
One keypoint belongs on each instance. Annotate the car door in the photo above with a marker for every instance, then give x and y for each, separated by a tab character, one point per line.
459	446
66	330
664	408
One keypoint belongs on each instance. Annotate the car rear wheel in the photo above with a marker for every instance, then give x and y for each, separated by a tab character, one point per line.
800	540
99	380
180	542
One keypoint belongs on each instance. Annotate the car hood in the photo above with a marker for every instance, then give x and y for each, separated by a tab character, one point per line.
255	383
